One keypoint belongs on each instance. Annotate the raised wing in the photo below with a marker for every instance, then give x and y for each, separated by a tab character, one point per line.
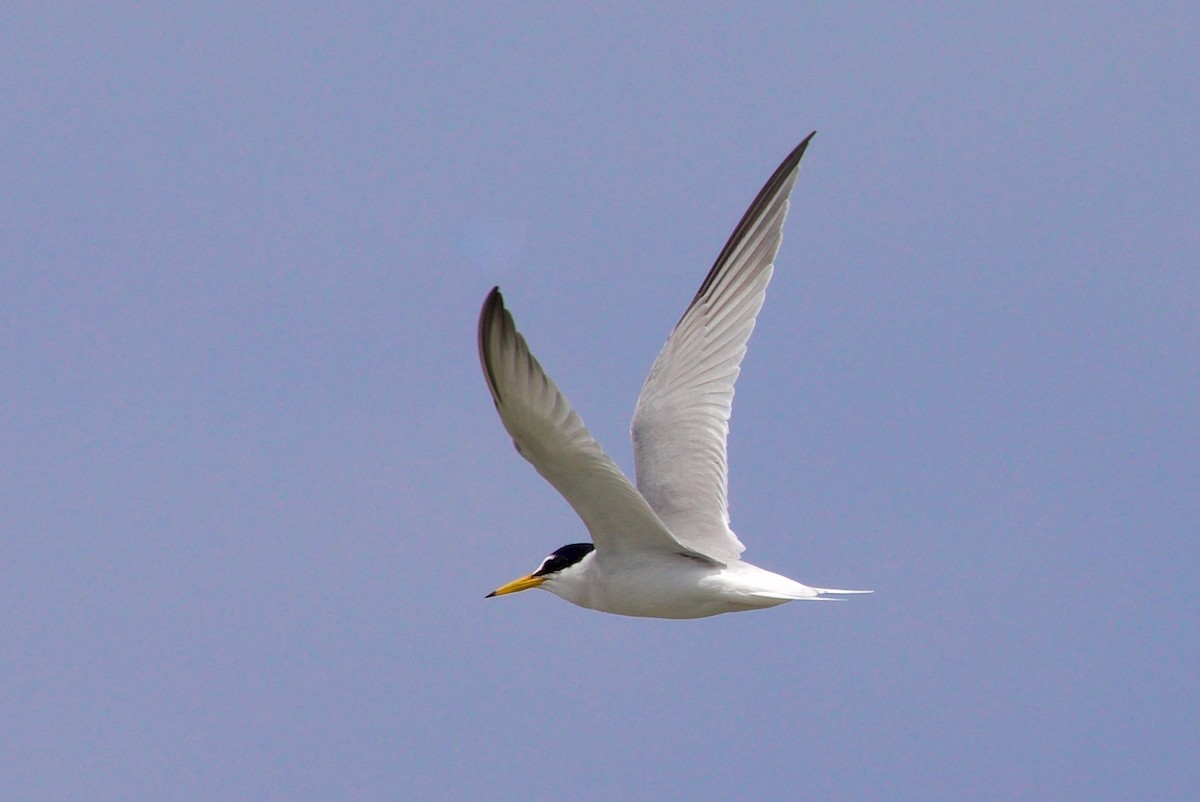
682	418
549	433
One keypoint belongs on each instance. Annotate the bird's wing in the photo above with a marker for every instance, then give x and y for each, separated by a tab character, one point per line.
682	417
551	436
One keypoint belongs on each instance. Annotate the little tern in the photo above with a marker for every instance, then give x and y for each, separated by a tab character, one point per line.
662	549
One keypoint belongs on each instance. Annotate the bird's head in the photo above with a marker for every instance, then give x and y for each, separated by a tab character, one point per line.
554	568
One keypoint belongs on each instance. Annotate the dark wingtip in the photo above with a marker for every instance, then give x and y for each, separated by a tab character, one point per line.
789	165
493	305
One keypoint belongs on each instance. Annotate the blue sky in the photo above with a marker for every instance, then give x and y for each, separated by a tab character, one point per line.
253	491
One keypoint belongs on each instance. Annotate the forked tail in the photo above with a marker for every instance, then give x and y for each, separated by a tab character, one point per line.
827	593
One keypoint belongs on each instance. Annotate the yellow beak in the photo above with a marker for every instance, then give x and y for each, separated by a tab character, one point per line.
517	585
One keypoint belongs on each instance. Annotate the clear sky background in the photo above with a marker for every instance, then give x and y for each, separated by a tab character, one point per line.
253	490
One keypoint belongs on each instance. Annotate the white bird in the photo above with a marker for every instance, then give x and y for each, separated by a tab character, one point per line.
663	549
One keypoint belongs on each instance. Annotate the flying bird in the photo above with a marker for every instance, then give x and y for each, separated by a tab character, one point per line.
664	548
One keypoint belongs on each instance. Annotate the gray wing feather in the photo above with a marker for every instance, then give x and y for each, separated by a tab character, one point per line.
681	422
551	436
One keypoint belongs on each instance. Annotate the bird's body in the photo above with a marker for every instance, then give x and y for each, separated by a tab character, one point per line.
662	549
673	586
